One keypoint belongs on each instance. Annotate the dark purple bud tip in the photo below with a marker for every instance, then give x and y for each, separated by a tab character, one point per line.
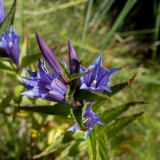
49	55
73	59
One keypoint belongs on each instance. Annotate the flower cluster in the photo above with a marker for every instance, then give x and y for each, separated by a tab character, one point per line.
10	41
54	87
89	120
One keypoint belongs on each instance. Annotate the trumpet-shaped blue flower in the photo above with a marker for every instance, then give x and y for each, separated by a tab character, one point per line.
2	11
90	119
42	84
10	43
98	79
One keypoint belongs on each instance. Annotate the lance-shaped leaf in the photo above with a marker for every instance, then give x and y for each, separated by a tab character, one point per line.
77	114
49	55
81	95
57	109
118	87
98	104
91	143
29	58
102	152
113	113
5	25
6	68
73	59
115	89
119	125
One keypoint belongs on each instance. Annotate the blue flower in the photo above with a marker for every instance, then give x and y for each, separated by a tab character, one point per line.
52	60
10	43
98	79
73	59
2	11
42	84
90	119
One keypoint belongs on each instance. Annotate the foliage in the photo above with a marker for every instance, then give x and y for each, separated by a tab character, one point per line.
32	128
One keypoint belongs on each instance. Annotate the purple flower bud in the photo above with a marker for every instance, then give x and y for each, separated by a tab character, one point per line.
73	59
10	43
98	79
90	119
49	55
42	84
2	11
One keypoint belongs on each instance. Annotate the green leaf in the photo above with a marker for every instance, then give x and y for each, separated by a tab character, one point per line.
97	105
69	94
30	59
78	75
24	47
113	113
119	125
6	68
78	115
5	25
81	95
102	147
57	109
91	144
115	89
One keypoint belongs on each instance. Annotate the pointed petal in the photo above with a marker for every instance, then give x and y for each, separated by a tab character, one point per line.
87	133
73	59
30	73
73	128
100	122
84	86
49	55
98	60
28	93
106	79
114	70
43	96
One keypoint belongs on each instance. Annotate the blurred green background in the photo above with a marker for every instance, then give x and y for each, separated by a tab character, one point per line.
126	32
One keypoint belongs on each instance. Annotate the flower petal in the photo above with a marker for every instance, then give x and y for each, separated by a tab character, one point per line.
73	59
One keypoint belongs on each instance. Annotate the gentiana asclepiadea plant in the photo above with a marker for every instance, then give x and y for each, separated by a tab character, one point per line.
42	84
